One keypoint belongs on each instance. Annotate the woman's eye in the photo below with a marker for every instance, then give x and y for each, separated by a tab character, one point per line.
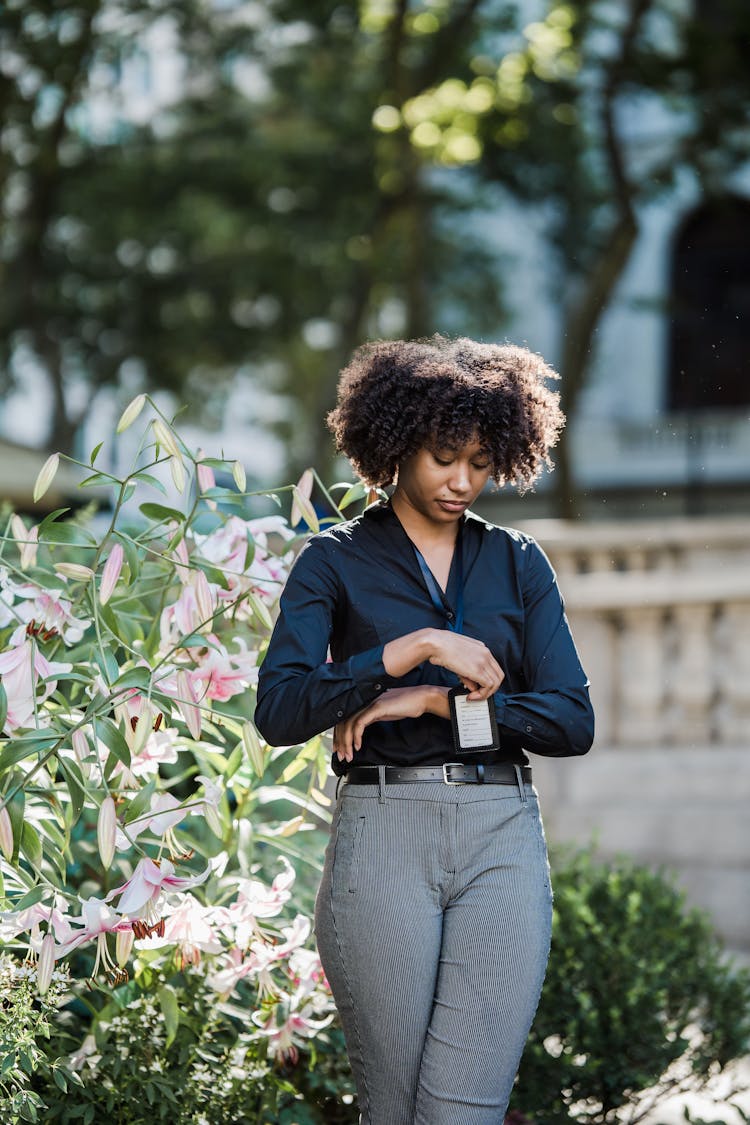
481	468
440	460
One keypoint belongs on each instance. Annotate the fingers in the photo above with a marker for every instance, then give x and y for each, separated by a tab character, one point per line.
472	662
347	736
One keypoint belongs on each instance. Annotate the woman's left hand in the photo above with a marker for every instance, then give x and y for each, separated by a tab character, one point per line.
396	703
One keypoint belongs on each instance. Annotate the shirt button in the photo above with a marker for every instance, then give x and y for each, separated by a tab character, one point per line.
339	714
529	730
450	615
378	687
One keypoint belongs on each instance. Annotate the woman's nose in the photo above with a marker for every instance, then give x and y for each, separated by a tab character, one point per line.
460	478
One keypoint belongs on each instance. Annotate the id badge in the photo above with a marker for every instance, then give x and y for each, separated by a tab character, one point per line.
473	721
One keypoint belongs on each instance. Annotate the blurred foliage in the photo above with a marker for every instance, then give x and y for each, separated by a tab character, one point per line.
309	179
639	1003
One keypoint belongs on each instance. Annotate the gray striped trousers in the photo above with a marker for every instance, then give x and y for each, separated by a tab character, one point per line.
433	923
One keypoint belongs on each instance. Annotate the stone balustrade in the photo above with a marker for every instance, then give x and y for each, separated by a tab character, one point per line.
661	617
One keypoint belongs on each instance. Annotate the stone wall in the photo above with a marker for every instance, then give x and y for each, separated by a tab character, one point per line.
661	616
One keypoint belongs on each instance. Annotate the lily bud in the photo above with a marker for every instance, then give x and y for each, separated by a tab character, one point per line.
187	705
106	829
181	561
75	571
240	478
81	750
206	477
45	964
166	438
137	739
301	506
46	476
6	834
177	469
27	541
131	412
123	947
111	573
203	596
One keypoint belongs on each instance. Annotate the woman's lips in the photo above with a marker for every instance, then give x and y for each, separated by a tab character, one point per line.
453	505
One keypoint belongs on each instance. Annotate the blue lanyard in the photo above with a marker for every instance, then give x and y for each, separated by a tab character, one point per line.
455	623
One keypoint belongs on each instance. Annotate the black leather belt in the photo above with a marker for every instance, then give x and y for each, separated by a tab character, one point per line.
451	773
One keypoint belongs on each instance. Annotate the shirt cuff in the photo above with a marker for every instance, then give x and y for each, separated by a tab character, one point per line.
368	672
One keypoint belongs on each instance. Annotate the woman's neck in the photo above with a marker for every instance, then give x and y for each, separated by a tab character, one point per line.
426	533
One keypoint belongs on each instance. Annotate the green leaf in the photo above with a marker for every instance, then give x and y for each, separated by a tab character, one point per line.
140	802
131	557
171	1011
128	493
161	513
58	1076
233	762
357	491
110	669
134	678
71	534
96	478
16	809
31	845
253	748
31	898
19	748
147	478
92	458
113	739
50	519
76	786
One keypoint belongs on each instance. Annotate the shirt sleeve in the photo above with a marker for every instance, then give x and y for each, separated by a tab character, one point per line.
300	692
554	716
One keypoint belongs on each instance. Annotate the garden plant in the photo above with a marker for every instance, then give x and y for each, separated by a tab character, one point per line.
158	861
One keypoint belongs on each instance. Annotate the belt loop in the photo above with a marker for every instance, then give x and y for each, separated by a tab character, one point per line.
480	773
381	784
521	785
339	781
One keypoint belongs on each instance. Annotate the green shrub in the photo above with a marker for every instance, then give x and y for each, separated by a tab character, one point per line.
639	1002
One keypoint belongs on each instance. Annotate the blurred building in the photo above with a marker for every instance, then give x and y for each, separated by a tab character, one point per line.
657	577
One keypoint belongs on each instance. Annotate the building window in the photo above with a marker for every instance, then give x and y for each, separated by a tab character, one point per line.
710	308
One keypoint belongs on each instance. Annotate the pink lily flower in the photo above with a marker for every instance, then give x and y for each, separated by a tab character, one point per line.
299	1025
234	968
47	611
149	881
15	922
22	668
98	921
166	812
220	674
188	926
256	900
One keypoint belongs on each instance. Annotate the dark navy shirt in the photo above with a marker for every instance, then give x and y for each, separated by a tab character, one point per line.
358	585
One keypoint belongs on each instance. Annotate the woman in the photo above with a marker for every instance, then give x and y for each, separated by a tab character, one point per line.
433	915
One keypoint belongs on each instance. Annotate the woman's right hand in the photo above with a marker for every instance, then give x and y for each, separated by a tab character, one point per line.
471	661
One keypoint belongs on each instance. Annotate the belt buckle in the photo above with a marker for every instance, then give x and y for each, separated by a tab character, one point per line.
446	767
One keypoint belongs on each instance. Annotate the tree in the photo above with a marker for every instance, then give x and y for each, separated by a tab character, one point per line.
257	219
307	185
558	113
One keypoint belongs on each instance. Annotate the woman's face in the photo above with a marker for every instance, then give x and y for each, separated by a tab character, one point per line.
441	483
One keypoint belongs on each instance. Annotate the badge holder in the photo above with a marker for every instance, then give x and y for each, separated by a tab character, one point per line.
473	721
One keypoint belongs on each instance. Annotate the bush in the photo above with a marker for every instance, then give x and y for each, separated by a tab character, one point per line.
639	1002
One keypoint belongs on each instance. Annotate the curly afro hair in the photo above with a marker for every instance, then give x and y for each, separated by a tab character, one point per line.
396	397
